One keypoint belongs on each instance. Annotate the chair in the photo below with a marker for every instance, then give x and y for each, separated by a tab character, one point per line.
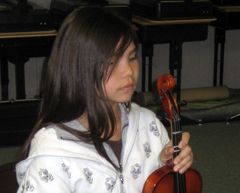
8	181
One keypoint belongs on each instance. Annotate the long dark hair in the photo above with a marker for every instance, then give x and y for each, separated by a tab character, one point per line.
72	83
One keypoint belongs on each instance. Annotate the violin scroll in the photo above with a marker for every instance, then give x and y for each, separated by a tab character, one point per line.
165	83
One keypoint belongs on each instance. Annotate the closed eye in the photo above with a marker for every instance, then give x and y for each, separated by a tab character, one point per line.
133	56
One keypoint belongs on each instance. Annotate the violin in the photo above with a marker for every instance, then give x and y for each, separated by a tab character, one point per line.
164	179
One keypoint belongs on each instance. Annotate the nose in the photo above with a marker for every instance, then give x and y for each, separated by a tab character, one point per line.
128	69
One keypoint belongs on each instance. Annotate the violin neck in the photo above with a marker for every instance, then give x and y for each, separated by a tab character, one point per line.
175	124
176	136
179	179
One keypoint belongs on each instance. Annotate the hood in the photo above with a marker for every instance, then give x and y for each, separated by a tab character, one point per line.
53	141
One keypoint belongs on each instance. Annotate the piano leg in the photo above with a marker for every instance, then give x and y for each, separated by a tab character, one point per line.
19	63
4	78
147	52
175	64
218	56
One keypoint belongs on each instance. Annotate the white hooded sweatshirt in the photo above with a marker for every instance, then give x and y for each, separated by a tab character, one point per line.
58	162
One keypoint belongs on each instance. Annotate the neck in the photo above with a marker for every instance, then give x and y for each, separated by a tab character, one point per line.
118	127
118	130
83	119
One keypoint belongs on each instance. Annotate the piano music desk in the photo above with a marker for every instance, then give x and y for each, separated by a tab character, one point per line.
172	31
227	19
17	47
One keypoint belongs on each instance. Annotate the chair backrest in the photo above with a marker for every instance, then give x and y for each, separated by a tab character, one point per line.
8	181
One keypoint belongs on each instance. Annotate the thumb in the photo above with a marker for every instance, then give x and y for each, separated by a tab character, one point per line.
166	152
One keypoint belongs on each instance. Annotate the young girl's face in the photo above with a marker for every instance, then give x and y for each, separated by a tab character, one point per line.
121	84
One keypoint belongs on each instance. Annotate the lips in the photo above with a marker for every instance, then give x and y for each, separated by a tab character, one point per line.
127	88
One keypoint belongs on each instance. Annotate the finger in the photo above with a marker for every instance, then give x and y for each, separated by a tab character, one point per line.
185	139
183	168
168	149
169	153
169	144
182	163
185	152
166	153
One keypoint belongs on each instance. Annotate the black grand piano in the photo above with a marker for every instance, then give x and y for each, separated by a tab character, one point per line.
28	30
227	13
25	31
169	21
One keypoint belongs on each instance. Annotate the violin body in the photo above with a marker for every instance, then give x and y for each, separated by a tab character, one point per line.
162	181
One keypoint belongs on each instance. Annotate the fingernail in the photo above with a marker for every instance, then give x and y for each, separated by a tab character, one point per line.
175	169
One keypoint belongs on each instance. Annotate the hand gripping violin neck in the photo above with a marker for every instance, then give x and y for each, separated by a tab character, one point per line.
164	179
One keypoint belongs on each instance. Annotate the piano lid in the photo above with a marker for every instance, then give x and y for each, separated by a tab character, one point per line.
68	5
20	5
23	16
59	9
172	9
226	2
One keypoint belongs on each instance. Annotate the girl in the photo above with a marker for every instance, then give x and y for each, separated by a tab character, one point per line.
89	137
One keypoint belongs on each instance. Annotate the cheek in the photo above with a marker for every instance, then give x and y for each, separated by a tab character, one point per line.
109	86
136	71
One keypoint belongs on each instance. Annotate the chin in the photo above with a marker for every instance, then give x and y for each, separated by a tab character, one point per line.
123	98
126	100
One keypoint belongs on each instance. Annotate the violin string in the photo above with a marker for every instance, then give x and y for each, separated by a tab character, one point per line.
176	131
